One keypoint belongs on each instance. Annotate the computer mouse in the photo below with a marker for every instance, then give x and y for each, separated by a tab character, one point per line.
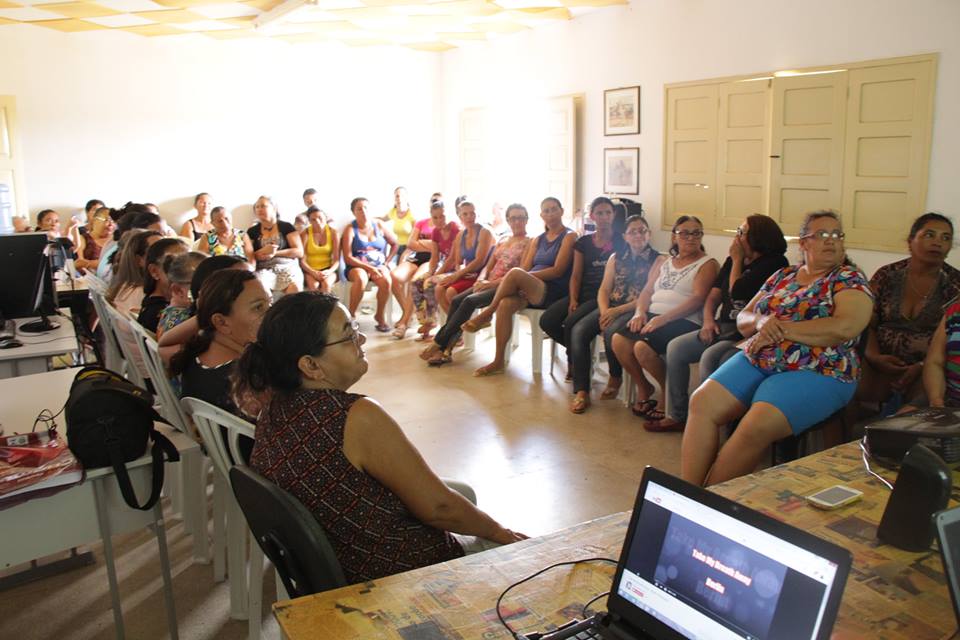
10	343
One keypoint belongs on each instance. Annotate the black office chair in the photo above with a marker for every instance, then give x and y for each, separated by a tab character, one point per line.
288	534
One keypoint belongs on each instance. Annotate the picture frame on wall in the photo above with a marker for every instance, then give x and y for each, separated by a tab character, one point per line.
621	170
621	111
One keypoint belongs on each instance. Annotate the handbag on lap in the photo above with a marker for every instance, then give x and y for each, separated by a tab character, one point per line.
110	422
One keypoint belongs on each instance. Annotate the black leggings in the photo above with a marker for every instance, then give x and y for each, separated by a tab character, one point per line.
461	308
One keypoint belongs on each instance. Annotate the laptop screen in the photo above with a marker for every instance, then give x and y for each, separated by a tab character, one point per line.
706	574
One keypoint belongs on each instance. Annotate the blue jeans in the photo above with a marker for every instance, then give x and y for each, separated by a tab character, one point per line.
575	331
681	353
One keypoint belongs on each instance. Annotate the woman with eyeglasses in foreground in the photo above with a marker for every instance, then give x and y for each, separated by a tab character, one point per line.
670	305
798	367
756	253
911	296
383	508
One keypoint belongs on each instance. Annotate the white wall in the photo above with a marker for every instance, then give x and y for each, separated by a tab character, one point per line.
654	42
123	117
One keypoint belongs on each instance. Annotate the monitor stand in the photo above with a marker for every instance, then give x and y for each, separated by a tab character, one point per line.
42	325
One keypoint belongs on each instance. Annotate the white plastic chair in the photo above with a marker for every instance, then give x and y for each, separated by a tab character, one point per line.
537	337
112	357
135	371
246	591
189	497
342	291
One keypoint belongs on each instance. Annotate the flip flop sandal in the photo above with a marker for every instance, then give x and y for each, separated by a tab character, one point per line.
430	351
643	408
665	425
579	404
485	371
400	332
610	393
439	360
472	326
382	328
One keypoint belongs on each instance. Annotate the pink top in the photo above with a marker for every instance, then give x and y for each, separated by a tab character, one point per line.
425	228
445	244
506	256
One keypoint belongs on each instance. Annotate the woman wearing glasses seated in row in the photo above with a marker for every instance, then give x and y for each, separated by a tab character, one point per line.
670	305
756	253
799	366
339	453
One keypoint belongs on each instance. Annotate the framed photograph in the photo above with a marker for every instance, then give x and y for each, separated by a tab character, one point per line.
621	111
621	170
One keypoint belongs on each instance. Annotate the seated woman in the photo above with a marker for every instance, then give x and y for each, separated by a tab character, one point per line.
506	255
48	221
156	288
198	226
277	249
178	271
223	239
383	509
803	326
756	252
174	337
669	306
364	250
131	216
126	286
542	279
941	367
624	278
442	243
400	220
412	264
573	321
910	297
321	259
93	239
471	248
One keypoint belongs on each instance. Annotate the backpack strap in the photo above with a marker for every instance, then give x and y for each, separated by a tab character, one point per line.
162	451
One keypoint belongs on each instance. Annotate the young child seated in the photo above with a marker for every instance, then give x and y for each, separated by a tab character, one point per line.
179	273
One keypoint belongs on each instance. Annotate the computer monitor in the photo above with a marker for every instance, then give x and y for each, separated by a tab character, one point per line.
26	280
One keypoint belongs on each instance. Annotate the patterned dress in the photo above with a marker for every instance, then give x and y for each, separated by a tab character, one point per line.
787	299
952	360
299	447
898	335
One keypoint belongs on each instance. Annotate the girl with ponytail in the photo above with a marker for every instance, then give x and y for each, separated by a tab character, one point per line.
229	310
156	287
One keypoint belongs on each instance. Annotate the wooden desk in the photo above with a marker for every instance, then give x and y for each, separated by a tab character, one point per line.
37	348
91	511
890	594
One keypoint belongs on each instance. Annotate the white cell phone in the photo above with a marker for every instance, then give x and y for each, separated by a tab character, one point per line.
835	497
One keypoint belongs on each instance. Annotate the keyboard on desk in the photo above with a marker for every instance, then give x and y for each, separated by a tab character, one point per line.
8	330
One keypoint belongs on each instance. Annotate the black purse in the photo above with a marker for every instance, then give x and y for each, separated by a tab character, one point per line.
109	423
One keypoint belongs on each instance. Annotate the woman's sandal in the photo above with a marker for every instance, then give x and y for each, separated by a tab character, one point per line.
440	359
609	393
487	370
430	351
579	404
400	331
664	425
472	326
647	409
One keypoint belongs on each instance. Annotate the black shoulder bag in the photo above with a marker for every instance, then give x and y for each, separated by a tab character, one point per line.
109	422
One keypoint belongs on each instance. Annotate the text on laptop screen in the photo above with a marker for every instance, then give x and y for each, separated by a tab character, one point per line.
709	575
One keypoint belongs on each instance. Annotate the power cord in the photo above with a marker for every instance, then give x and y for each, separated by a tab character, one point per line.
48	418
536	635
583	612
866	455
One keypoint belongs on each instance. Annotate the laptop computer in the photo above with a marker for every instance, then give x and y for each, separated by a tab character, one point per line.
697	565
948	539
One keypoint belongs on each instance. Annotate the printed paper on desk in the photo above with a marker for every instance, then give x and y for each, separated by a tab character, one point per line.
33	465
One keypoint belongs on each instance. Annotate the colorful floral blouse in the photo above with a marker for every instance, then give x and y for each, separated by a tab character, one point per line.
951	365
787	299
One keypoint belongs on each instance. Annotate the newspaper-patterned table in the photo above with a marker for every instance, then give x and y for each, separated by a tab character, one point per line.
890	594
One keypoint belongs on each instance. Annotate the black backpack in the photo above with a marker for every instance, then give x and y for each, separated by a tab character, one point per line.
109	421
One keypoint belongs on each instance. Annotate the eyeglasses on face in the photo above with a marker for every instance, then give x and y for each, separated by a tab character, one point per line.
741	232
637	231
354	335
686	235
516	218
823	235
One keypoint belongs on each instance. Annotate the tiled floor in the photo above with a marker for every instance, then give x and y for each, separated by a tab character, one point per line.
535	466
